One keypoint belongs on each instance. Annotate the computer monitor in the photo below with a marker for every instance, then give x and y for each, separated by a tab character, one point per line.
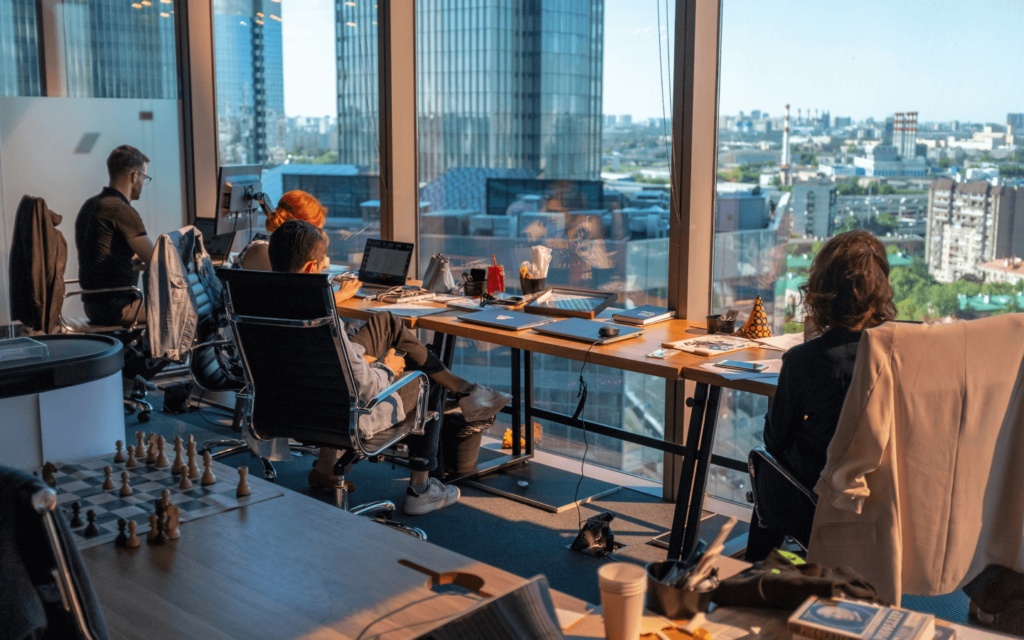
237	210
385	262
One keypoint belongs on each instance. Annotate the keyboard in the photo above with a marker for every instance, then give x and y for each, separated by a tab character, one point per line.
371	290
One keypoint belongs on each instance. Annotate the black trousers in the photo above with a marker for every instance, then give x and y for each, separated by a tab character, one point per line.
382	332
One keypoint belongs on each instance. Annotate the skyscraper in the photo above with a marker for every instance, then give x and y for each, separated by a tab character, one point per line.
250	81
19	49
1015	120
511	84
904	134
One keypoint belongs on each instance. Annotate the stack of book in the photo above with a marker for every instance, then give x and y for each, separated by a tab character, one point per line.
828	619
643	316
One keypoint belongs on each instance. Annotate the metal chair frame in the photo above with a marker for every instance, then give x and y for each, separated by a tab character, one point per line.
761	452
361	450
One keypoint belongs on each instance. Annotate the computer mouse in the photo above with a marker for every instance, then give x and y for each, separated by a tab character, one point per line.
608	331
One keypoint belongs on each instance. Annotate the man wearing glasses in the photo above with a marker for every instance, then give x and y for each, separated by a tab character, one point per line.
112	242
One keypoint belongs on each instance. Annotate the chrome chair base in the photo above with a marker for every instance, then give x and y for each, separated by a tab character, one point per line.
235	447
379	511
144	409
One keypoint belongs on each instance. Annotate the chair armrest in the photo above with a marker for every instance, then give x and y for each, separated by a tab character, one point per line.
422	415
212	343
778	467
391	388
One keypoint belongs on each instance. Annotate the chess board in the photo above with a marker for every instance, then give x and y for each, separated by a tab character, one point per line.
82	482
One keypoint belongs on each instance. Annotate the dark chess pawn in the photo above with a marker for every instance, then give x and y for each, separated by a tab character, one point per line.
91	531
122	538
76	515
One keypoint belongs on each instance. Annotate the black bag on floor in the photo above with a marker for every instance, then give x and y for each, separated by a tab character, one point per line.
460	446
176	397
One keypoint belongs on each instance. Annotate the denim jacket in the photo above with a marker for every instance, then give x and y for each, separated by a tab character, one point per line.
172	316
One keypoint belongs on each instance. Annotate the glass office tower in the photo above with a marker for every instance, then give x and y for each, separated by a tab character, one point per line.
511	84
250	81
19	49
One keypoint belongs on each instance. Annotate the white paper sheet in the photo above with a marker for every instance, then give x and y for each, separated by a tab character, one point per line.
410	310
784	342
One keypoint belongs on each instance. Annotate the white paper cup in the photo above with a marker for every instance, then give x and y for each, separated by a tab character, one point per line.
623	586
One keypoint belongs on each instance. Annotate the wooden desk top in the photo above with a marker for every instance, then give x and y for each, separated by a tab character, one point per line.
290	567
628	355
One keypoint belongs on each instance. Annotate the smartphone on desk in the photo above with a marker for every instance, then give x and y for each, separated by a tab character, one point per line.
736	365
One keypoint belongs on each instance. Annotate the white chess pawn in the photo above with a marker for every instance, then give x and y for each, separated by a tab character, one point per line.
151	453
108	482
185	482
125	489
208	477
119	456
243	482
140	442
132	462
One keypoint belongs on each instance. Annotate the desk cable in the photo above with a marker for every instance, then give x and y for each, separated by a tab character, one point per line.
578	415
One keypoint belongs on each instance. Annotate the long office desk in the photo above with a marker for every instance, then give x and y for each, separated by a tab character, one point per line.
289	567
628	355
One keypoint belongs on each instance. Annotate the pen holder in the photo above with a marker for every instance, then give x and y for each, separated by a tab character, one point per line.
673	602
717	325
474	289
532	285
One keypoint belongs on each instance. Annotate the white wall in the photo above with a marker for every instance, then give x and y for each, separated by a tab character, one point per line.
38	137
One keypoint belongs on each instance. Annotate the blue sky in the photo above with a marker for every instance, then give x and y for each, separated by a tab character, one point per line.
946	59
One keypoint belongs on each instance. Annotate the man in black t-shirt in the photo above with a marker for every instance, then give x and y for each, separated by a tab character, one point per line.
112	242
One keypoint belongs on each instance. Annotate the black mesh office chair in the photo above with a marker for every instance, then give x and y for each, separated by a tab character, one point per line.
44	587
781	503
300	383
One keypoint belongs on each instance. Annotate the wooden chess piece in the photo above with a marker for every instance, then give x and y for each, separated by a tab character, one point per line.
208	477
140	442
154	529
48	470
132	462
178	464
161	533
122	538
173	518
125	489
185	482
119	456
165	500
193	470
243	482
108	482
76	515
161	459
133	538
91	530
151	453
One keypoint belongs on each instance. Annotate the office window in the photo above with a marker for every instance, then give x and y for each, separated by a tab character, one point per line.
19	49
297	94
544	122
880	137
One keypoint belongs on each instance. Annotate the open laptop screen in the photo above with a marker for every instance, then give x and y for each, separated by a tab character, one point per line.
385	262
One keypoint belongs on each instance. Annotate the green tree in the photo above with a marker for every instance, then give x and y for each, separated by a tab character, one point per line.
852	148
887	220
945	163
848	224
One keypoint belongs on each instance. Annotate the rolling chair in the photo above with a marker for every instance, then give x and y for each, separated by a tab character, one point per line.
300	383
782	504
46	589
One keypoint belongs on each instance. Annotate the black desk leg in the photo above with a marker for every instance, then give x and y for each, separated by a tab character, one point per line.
517	447
528	399
700	439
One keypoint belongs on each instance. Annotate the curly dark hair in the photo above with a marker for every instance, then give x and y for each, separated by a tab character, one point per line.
848	285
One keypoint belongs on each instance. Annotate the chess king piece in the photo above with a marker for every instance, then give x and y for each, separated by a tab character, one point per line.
140	442
208	477
108	482
151	453
243	482
173	519
119	456
76	515
178	464
133	538
122	538
193	470
125	489
48	470
91	530
185	482
756	325
161	458
132	462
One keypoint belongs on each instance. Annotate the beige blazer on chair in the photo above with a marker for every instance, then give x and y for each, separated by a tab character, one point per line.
924	484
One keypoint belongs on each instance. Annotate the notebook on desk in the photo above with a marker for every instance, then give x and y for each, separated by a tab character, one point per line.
504	319
587	331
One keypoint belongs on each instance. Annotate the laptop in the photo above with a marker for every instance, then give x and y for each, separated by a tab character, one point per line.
504	319
587	331
385	266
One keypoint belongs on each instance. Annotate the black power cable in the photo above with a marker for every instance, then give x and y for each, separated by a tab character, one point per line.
578	415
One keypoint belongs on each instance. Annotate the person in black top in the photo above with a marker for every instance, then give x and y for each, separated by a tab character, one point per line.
112	242
847	291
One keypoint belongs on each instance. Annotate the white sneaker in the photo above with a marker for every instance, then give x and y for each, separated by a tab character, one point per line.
435	496
482	404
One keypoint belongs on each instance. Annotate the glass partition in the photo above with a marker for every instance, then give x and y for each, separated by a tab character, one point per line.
297	94
864	132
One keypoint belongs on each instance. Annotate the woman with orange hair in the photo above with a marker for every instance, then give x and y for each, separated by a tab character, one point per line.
294	205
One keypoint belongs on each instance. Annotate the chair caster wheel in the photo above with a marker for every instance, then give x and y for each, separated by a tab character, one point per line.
269	474
129	410
144	416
